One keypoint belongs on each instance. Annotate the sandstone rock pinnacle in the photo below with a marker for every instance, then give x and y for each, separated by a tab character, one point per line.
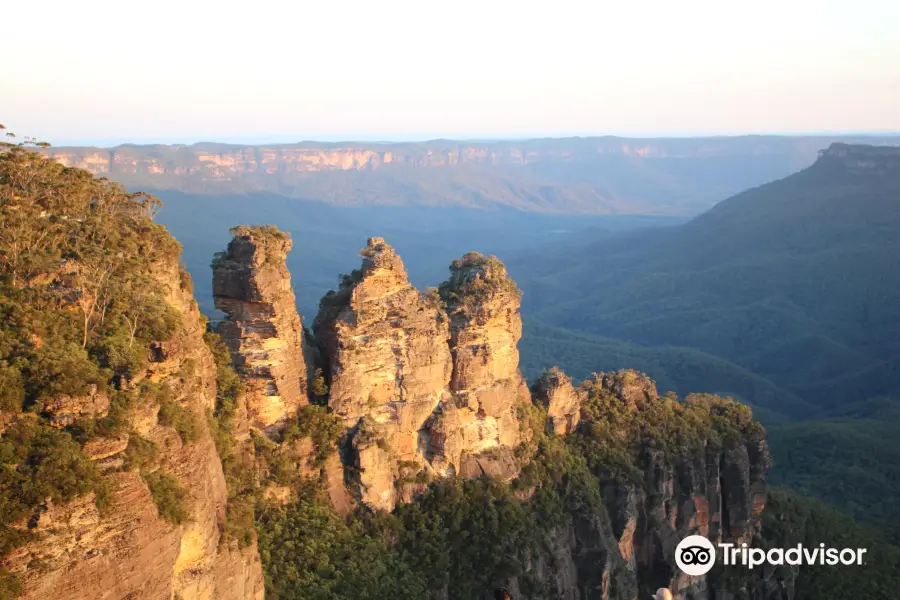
389	363
428	384
485	327
252	286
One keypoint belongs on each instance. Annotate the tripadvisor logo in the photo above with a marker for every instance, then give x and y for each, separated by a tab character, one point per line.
696	555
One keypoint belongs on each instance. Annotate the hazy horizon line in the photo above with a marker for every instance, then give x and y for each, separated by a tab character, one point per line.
426	138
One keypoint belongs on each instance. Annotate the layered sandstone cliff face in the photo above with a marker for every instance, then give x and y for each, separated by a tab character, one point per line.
127	550
228	162
252	286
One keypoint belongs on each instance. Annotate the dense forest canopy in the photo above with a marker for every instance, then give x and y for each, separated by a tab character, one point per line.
792	281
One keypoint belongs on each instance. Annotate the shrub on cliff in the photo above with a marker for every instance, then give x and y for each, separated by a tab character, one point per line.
168	495
316	423
228	384
474	279
12	390
264	236
38	463
181	419
319	388
140	453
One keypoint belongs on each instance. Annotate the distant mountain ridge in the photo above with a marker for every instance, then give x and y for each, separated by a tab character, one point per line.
595	175
794	280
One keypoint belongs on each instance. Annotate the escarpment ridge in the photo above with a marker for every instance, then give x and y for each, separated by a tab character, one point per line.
592	175
422	388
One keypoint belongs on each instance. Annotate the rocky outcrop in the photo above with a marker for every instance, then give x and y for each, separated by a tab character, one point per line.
62	409
127	550
333	474
718	493
486	386
631	387
623	545
861	159
376	463
252	286
429	381
389	364
555	391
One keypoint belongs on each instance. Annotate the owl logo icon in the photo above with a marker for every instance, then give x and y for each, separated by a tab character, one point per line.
695	555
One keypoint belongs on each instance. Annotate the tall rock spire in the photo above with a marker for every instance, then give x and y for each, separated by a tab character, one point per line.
252	286
389	362
475	433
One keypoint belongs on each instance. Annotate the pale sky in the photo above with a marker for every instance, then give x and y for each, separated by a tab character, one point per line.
182	71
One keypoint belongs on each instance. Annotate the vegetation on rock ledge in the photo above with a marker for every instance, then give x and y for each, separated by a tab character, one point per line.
475	279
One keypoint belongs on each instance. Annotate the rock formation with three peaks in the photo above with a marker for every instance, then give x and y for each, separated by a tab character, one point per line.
427	385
